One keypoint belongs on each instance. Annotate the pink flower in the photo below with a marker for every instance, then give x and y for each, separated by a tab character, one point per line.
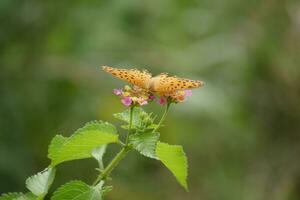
127	101
151	97
143	103
134	96
162	101
118	92
188	93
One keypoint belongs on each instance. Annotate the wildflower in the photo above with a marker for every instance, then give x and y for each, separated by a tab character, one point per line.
126	94
151	97
175	97
162	100
134	95
118	92
127	88
142	103
127	101
188	93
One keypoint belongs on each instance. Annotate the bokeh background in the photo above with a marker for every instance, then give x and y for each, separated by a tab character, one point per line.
240	132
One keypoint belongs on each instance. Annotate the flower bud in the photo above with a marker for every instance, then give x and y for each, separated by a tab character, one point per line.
127	88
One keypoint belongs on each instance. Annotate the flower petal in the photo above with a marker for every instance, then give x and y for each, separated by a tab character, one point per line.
118	92
151	97
143	103
162	101
127	101
188	93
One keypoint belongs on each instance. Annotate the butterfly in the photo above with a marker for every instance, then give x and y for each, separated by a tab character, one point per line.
161	84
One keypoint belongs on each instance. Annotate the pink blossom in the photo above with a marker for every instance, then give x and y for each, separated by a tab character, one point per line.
143	103
127	101
151	97
118	92
188	93
162	101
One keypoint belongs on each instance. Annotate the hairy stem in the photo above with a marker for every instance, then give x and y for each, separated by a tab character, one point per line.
130	124
122	153
110	167
163	117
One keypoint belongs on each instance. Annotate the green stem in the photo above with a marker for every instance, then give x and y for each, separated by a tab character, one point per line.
41	197
115	161
130	125
163	117
110	167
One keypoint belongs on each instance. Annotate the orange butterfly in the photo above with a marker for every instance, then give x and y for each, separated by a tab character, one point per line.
161	84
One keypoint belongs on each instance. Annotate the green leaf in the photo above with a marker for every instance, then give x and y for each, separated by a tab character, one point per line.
27	196
18	196
82	142
136	117
10	196
140	119
40	183
173	157
98	154
77	190
145	143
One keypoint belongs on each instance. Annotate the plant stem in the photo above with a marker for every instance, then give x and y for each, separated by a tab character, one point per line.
115	161
163	117
41	197
130	124
122	153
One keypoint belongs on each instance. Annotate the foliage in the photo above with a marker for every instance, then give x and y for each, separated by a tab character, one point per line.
145	143
40	183
82	142
91	141
98	154
18	196
173	157
141	121
77	190
242	132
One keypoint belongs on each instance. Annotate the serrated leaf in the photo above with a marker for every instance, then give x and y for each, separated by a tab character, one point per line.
40	183
140	119
10	196
27	196
77	190
173	157
145	143
98	154
18	196
82	142
136	116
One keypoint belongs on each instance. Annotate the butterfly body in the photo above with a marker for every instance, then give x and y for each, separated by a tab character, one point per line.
161	84
152	84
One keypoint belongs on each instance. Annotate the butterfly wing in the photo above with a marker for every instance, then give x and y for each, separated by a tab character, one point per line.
133	76
168	84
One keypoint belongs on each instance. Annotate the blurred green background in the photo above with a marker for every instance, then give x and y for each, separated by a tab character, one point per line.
240	132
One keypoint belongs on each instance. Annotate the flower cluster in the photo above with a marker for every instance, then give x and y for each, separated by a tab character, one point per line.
175	97
138	96
134	96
